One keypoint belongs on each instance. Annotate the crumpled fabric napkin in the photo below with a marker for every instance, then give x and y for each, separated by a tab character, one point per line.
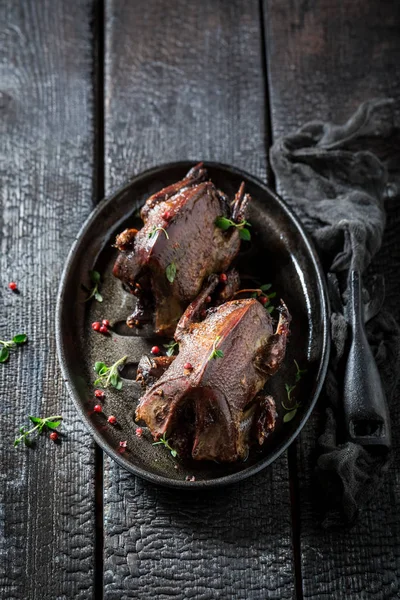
336	177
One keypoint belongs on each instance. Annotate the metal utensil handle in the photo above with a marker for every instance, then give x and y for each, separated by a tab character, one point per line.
367	420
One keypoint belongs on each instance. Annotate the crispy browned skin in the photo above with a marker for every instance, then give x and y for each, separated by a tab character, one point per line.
195	245
221	397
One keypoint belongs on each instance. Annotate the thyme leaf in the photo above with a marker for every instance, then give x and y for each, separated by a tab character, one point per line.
170	272
215	353
170	347
7	345
39	424
95	278
225	224
109	375
299	372
293	404
164	442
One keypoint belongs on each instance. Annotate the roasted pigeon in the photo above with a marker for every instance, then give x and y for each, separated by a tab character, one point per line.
208	401
166	262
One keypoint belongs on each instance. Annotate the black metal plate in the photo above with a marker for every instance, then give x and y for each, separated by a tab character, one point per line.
280	253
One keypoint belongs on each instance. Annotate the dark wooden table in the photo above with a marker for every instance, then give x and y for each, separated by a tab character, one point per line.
92	93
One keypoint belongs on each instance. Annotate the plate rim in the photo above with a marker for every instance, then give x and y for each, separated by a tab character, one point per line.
325	310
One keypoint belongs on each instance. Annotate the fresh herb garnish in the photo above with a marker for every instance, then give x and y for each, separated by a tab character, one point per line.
215	353
39	424
94	292
171	347
164	442
154	230
109	375
293	405
170	272
299	372
17	340
224	224
265	299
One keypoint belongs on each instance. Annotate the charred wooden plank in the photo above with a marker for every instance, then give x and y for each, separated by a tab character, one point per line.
185	80
46	104
325	58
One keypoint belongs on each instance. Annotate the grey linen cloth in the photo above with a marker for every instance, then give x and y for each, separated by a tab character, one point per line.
336	178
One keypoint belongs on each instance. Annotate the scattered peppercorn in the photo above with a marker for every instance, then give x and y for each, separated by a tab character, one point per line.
99	394
54	436
155	350
188	366
166	215
103	329
12	285
96	326
97	408
123	444
106	323
223	278
203	314
208	299
139	432
111	419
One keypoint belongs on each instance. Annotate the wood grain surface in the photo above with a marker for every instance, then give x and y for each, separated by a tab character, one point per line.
46	105
324	58
181	80
185	80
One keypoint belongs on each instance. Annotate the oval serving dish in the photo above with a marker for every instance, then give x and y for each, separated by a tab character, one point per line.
280	253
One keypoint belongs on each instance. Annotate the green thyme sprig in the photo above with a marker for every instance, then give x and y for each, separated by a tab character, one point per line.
225	224
94	292
8	345
293	405
154	230
170	272
215	353
39	424
109	375
261	293
299	372
164	442
170	347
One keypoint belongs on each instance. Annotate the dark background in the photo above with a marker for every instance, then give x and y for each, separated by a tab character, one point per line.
90	94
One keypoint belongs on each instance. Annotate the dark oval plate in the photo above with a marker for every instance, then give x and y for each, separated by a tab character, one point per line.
280	253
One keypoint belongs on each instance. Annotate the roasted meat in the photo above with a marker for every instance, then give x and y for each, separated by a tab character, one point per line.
209	399
166	262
